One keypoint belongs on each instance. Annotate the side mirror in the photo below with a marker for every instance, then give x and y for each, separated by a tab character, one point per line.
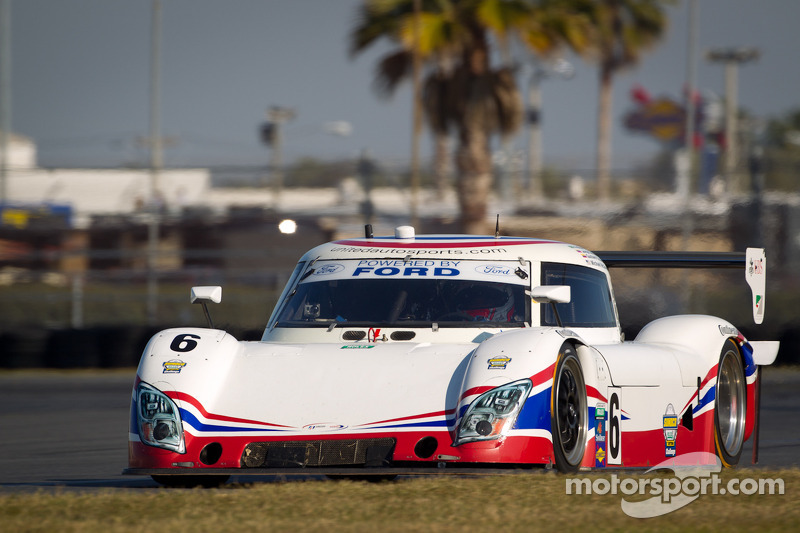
552	294
203	295
206	294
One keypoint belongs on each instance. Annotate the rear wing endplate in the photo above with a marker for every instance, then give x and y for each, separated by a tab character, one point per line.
753	261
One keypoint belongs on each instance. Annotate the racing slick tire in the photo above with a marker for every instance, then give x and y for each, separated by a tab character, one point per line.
188	482
730	405
568	411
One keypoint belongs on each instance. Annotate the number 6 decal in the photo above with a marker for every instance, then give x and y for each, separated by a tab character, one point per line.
614	444
184	343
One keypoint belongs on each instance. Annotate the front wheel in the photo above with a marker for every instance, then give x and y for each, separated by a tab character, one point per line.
730	407
568	411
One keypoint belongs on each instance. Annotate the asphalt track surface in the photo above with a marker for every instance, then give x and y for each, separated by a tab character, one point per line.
70	429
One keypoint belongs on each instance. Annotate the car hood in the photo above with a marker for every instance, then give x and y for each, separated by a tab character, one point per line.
324	387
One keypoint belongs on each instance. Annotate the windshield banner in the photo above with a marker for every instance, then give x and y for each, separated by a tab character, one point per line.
496	271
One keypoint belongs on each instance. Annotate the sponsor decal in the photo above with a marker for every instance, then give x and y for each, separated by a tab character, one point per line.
494	270
407	268
756	267
357	346
599	458
421	251
670	431
600	435
173	366
330	268
498	363
434	245
401	263
374	334
590	258
324	427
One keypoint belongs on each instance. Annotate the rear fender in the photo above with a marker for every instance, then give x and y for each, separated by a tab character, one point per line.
703	337
696	335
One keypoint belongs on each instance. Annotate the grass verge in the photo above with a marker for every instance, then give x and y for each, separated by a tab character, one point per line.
520	502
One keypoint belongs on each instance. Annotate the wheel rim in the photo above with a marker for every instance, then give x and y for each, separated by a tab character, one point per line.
570	411
730	403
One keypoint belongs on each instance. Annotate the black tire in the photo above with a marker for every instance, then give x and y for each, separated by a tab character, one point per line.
188	482
568	411
730	405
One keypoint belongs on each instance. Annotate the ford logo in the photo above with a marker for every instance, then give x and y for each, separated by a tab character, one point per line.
331	268
494	270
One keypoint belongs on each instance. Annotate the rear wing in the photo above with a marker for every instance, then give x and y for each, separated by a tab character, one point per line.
753	261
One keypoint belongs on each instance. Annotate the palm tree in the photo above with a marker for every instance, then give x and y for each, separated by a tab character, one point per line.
621	31
463	92
397	66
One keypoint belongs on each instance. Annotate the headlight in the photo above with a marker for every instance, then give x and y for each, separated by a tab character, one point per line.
159	419
493	413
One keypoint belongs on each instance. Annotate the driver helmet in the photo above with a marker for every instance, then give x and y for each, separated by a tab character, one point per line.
486	303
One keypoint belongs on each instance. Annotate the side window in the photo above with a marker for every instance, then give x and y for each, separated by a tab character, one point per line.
590	305
289	284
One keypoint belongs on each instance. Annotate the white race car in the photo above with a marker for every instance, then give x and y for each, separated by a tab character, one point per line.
447	353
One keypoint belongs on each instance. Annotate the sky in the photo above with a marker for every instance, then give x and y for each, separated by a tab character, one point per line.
81	81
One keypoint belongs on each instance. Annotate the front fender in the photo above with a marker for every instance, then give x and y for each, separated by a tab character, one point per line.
511	356
188	358
529	354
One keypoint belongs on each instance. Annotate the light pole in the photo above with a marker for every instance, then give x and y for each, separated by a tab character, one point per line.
416	126
731	58
156	162
272	135
561	69
684	180
5	94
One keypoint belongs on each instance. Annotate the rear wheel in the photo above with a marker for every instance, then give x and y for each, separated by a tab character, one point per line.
730	406
568	411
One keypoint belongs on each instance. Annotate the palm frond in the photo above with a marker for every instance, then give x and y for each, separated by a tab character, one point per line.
391	70
508	101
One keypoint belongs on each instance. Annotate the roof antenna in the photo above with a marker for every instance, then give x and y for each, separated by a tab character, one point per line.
368	231
497	227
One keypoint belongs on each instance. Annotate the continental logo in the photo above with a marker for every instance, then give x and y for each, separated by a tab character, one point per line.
173	366
499	362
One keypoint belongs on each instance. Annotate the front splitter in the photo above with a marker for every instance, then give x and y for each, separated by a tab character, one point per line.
435	469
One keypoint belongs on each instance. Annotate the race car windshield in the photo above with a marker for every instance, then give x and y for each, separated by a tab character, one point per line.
450	296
